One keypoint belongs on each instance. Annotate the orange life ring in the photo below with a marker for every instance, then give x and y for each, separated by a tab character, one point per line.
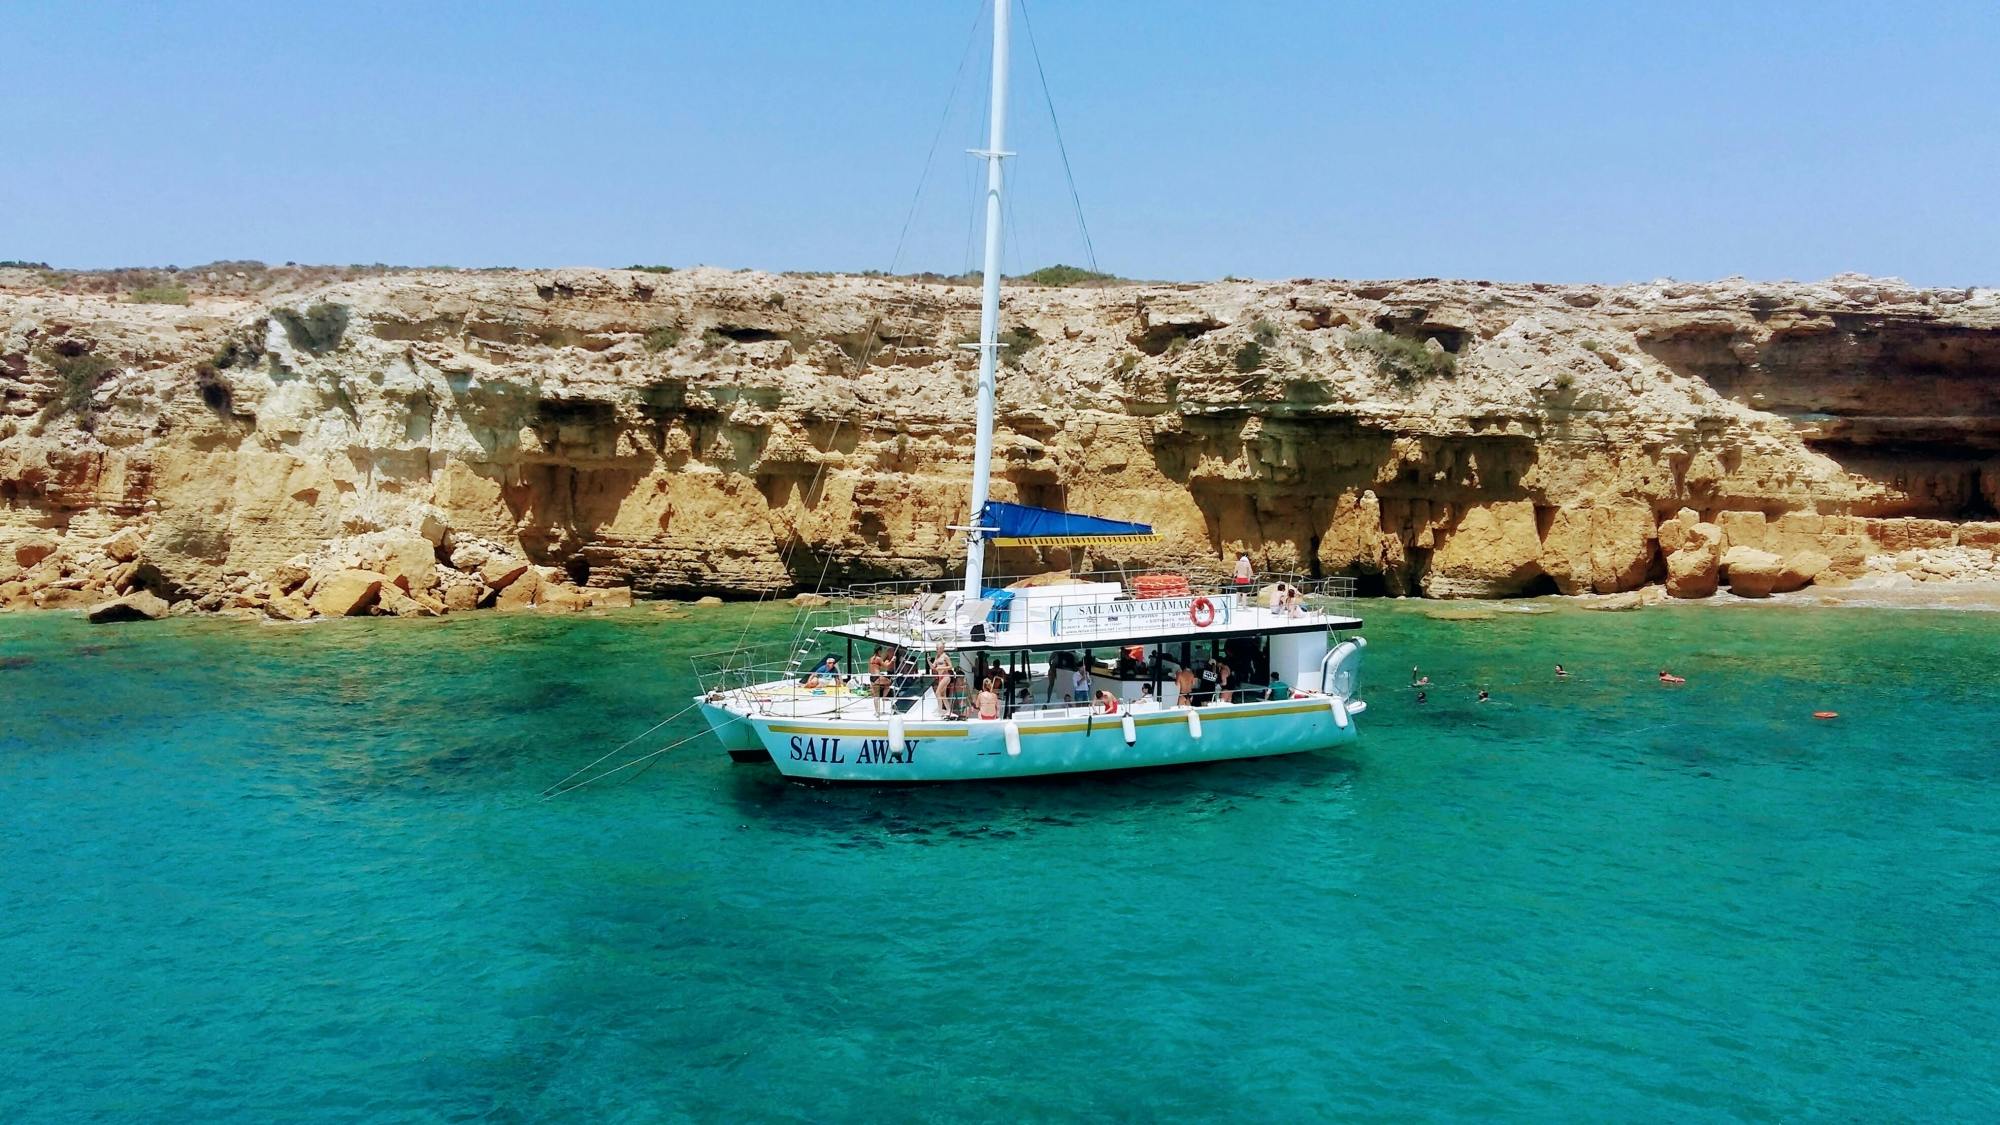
1826	714
1202	612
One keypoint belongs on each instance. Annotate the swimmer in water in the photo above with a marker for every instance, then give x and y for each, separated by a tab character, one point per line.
1483	697
1560	674
1667	677
1423	697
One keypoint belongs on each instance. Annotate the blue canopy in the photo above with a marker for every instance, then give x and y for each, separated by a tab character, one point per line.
1017	525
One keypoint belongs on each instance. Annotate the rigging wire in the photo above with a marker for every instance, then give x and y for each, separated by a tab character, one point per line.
1061	149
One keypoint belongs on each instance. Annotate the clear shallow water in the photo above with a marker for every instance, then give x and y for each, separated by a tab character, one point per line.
260	873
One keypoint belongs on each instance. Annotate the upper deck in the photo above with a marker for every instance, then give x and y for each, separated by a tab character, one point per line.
1097	611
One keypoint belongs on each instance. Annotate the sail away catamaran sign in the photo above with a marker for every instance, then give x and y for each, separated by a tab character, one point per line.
1164	614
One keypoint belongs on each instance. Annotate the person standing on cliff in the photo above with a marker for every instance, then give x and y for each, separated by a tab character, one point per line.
1244	571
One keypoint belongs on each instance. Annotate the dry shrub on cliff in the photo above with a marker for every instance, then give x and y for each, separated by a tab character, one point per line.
1062	276
159	295
77	377
660	339
317	330
1403	359
1249	358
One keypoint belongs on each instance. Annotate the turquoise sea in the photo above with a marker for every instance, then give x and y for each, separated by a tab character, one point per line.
259	873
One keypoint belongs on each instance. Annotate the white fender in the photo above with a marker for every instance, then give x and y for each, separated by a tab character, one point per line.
1131	730
895	734
1194	724
1011	731
1356	706
1338	706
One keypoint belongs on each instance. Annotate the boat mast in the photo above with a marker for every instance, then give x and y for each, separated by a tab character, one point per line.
989	308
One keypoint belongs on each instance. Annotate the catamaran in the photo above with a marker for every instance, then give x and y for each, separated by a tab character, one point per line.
1050	674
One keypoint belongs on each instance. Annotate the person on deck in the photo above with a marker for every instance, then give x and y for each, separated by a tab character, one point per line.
1211	682
941	676
989	701
878	678
1079	685
1184	686
1280	689
1244	571
825	675
1107	703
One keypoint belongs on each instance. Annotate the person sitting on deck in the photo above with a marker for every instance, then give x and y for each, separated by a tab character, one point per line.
826	675
1146	701
1279	689
989	701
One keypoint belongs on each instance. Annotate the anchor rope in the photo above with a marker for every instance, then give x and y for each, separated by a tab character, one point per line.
615	749
597	777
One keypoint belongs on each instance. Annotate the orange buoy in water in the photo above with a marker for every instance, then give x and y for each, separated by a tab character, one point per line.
1826	714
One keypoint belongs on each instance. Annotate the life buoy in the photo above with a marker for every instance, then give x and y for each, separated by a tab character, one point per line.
1202	613
1826	714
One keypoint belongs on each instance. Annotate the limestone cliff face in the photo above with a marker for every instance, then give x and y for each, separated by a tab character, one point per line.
683	432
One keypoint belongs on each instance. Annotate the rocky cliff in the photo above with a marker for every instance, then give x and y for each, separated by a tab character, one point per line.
707	431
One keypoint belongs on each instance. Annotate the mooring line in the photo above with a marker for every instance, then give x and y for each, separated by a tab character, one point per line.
558	786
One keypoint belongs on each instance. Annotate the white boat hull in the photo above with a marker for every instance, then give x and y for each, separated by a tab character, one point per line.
968	751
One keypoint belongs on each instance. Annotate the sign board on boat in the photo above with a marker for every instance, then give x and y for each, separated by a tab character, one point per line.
1162	614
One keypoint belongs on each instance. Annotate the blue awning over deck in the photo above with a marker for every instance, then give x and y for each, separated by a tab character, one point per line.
1017	525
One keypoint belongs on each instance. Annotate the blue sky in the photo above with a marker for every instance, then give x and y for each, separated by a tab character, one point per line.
1560	142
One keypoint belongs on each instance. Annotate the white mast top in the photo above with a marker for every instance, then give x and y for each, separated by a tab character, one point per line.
989	308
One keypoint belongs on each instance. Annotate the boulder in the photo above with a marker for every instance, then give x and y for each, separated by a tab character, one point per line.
462	596
1615	602
1599	548
1674	530
521	590
289	575
1693	571
125	545
346	593
32	550
395	602
811	601
140	605
1751	573
616	597
558	596
709	600
501	571
288	607
1492	552
1802	569
410	564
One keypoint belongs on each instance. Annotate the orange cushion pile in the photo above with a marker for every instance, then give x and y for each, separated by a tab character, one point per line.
1161	586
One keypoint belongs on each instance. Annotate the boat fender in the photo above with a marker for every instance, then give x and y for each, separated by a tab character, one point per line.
1131	731
1338	706
1194	724
1201	611
896	734
1011	732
